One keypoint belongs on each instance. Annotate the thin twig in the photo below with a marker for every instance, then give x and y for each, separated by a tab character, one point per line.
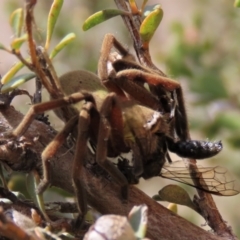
133	24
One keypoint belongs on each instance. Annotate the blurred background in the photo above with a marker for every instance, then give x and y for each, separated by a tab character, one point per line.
197	43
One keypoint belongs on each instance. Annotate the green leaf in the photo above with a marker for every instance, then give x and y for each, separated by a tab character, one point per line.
102	16
17	81
17	42
175	194
30	185
63	43
16	22
14	69
237	3
150	24
138	220
52	19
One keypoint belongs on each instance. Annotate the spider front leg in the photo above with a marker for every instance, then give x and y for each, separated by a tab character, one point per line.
109	129
127	79
138	75
105	57
184	147
109	42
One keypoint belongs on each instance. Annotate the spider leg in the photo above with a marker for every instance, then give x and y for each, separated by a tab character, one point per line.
83	119
110	105
51	150
129	79
139	75
108	43
80	155
42	107
181	117
108	80
58	140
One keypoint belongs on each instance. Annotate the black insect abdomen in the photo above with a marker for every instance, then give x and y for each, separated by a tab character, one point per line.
194	149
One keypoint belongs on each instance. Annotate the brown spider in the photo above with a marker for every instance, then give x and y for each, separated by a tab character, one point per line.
117	114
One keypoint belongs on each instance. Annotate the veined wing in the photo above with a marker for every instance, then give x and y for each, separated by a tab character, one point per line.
217	180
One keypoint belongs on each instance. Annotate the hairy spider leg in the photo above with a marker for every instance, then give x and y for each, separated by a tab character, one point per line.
108	42
115	144
131	87
186	147
110	112
59	139
51	150
164	95
145	97
139	74
109	107
78	162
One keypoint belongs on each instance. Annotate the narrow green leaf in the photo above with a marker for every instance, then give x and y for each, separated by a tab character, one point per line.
30	184
13	70
52	19
17	42
39	197
63	43
17	81
150	24
237	3
102	16
16	22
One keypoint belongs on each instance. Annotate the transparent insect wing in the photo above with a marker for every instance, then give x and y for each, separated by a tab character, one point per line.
215	180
